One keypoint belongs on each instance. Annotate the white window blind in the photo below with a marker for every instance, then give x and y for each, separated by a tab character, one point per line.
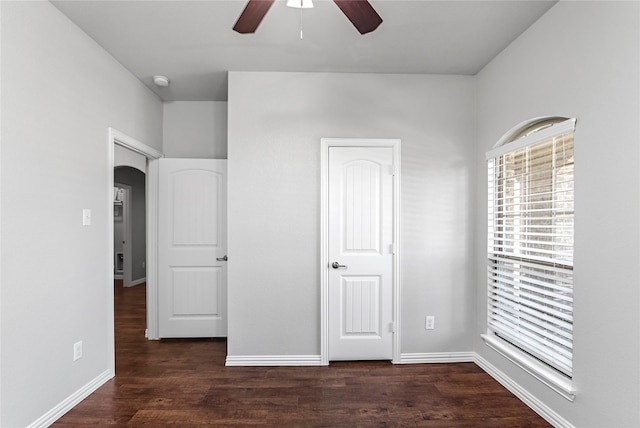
530	244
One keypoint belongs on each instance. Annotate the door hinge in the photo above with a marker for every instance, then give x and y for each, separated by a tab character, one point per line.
392	327
392	248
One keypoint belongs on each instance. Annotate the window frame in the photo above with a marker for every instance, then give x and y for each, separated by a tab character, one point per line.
528	133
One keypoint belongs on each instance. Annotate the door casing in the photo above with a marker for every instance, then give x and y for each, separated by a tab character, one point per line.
325	144
152	155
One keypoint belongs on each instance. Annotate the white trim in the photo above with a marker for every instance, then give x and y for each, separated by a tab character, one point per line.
273	360
554	380
324	256
134	145
501	148
437	357
525	396
522	125
138	282
397	280
111	335
325	143
71	401
152	183
121	139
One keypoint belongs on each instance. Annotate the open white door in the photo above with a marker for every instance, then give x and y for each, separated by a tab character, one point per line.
360	252
192	243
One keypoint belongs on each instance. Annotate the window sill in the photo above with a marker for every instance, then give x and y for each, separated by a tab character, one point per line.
554	380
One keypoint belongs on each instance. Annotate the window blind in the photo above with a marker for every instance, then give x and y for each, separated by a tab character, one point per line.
530	245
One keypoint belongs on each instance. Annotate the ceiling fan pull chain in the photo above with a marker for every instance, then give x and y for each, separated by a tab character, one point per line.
301	20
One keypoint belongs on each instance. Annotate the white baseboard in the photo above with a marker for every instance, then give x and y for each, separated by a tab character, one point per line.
437	357
137	282
538	406
274	360
68	403
315	360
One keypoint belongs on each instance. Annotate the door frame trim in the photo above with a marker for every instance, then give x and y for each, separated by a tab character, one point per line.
152	155
325	144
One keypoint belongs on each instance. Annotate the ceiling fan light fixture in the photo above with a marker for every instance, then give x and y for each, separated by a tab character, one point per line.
300	4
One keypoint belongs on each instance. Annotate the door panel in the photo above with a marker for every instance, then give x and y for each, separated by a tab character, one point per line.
361	243
361	305
196	210
361	202
191	237
196	291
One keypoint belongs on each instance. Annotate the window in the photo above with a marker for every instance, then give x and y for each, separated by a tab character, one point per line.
530	243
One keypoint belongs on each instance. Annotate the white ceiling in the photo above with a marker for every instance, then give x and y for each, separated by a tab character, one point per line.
192	42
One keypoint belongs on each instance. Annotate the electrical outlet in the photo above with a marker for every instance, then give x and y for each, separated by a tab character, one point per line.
77	350
430	322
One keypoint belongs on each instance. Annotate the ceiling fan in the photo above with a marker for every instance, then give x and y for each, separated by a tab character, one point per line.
361	14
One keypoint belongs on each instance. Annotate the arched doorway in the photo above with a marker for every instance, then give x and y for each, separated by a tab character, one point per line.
130	248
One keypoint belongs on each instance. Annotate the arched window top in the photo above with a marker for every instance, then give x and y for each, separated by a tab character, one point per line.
530	132
528	127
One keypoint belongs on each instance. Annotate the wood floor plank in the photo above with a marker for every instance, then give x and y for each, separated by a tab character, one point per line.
185	383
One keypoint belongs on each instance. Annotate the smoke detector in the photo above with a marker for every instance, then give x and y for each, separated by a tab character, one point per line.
161	81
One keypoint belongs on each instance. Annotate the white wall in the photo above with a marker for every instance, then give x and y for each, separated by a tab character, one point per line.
195	129
276	121
581	60
60	93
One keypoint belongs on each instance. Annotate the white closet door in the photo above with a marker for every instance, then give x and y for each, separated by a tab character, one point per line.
360	253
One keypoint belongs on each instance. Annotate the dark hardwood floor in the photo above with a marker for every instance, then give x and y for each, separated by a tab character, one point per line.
185	383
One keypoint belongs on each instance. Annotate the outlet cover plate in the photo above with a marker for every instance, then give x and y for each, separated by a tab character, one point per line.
77	350
430	322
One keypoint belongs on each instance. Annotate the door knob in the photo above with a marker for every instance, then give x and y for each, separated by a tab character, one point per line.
337	265
222	259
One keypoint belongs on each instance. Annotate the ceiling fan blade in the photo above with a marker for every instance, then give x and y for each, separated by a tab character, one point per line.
361	14
252	15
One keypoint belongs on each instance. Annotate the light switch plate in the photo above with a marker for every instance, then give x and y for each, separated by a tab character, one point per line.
86	217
